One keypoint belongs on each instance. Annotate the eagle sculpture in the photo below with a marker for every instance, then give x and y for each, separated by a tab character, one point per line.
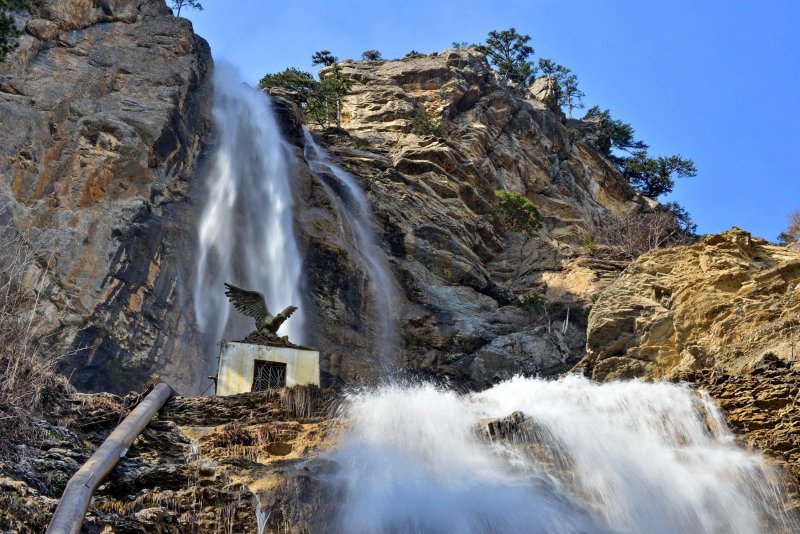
253	304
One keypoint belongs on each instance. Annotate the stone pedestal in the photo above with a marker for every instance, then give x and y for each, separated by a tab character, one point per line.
238	363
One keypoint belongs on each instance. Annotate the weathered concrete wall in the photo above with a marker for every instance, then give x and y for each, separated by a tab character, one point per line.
237	363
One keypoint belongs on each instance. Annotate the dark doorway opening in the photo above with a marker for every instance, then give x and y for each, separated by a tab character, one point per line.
268	375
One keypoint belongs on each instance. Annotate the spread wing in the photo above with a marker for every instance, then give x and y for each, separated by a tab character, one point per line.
250	303
287	312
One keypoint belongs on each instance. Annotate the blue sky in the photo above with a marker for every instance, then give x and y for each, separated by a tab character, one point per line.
713	80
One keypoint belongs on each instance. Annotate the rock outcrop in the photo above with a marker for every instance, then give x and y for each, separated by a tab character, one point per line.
204	465
104	113
719	304
723	314
458	271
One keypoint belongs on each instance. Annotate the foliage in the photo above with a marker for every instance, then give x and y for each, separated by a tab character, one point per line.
371	55
792	234
323	58
654	176
193	4
413	53
568	94
518	213
8	29
571	96
613	134
423	123
321	99
637	233
334	85
682	217
508	51
302	83
458	45
589	245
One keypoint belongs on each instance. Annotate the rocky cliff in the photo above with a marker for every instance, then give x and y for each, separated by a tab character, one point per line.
723	314
104	113
458	270
105	110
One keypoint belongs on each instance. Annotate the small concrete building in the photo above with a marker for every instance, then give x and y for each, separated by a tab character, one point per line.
245	367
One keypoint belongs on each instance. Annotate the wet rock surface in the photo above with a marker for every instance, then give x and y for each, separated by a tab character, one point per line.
205	464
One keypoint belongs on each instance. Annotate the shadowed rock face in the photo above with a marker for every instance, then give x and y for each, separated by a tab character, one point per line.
458	271
103	116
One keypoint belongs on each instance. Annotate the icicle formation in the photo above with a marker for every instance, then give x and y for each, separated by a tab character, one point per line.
354	211
576	457
246	230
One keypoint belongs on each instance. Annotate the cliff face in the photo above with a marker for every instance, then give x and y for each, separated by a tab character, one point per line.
458	271
723	314
105	109
103	116
719	304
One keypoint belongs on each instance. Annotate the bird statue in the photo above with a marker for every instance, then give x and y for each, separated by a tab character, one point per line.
253	304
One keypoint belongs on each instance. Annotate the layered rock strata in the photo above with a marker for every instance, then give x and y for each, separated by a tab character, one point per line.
104	113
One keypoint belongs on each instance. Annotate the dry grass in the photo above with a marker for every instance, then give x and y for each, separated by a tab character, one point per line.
638	233
28	378
232	434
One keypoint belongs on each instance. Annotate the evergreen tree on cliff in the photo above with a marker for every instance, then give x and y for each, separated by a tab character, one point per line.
334	85
179	4
509	51
8	29
655	176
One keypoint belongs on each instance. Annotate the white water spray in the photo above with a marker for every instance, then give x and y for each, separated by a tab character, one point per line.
354	211
246	230
620	457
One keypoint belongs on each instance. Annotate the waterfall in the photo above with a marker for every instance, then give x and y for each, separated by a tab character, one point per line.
354	211
246	230
576	457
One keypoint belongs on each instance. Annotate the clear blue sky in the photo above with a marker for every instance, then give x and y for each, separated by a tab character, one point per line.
714	80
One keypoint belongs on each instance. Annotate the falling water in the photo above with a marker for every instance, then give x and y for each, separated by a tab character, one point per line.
354	212
246	231
619	457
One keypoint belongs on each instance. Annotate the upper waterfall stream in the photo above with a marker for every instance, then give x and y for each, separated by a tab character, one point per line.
246	229
354	211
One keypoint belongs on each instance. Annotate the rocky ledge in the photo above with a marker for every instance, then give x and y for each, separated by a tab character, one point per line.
204	464
723	314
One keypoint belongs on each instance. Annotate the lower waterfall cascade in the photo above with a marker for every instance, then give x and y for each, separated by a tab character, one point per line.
578	457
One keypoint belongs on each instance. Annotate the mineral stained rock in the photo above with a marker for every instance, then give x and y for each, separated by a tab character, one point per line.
719	304
104	114
458	270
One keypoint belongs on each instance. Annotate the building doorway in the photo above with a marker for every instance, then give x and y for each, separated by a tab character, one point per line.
268	375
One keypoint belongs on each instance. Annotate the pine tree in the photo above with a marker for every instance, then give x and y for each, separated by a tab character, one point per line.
9	33
654	176
371	55
193	4
508	51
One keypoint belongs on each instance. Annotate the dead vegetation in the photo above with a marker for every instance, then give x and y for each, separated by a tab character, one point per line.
635	234
28	378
